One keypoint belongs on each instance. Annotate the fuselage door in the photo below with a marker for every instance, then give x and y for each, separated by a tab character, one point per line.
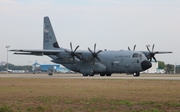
115	65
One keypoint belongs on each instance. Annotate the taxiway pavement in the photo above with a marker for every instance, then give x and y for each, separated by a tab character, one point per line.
114	76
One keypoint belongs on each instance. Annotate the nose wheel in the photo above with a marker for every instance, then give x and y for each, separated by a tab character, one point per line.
136	74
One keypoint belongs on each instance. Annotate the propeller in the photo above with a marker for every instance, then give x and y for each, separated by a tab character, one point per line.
151	53
73	53
94	54
133	48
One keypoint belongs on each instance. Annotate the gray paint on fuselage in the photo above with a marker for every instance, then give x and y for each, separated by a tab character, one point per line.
113	61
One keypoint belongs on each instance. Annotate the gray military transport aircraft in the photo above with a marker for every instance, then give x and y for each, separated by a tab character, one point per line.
92	62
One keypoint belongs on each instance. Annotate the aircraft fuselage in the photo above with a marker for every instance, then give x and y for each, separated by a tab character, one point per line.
111	62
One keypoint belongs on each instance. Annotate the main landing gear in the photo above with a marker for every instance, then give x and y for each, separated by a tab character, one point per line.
87	75
101	74
136	74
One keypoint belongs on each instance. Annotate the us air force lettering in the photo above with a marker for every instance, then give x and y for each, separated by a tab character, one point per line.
91	62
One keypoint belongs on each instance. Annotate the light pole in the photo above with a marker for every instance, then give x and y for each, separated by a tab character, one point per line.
175	68
7	56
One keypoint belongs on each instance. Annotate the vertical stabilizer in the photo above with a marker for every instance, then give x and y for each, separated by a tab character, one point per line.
49	38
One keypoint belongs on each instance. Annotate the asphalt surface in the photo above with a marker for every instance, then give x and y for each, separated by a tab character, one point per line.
114	76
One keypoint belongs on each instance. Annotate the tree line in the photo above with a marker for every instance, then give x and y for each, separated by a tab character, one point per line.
15	67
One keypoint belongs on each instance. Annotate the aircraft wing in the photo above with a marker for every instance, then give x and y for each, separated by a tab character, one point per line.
156	52
149	55
159	52
35	52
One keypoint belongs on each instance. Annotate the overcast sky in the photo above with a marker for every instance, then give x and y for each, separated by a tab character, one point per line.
112	24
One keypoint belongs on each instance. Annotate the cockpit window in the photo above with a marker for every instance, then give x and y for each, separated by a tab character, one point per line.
136	55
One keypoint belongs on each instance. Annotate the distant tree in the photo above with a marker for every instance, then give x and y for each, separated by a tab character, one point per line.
161	65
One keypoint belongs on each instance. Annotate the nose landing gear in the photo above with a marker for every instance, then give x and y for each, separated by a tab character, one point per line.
136	74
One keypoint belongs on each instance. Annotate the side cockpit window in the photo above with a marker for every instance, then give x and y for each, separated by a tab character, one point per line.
136	55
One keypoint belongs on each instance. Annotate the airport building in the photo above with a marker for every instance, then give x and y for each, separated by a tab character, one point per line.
177	69
36	67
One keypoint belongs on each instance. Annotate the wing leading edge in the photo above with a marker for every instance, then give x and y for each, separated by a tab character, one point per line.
35	52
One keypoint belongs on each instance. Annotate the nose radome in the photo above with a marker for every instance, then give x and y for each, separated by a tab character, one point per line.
146	65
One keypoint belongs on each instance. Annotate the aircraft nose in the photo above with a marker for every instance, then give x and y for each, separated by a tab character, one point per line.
146	65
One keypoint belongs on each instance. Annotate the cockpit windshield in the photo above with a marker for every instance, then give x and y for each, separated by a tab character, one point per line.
136	55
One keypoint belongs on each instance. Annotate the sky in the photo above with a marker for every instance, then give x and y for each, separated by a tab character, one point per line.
111	24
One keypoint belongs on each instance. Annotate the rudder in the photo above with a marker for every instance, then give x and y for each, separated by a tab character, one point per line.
49	38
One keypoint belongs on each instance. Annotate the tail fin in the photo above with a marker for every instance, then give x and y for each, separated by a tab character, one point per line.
49	38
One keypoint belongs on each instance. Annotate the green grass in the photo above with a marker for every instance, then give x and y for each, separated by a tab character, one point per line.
5	108
72	95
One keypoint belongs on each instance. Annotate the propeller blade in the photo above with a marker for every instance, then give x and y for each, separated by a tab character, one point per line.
95	47
134	47
129	49
74	60
93	61
76	48
90	50
154	59
73	53
71	46
94	55
90	58
153	48
98	59
77	55
67	51
68	58
99	51
148	48
150	59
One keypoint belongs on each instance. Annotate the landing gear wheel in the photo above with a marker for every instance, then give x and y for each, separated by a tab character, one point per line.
108	74
85	75
91	75
102	74
136	74
50	74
